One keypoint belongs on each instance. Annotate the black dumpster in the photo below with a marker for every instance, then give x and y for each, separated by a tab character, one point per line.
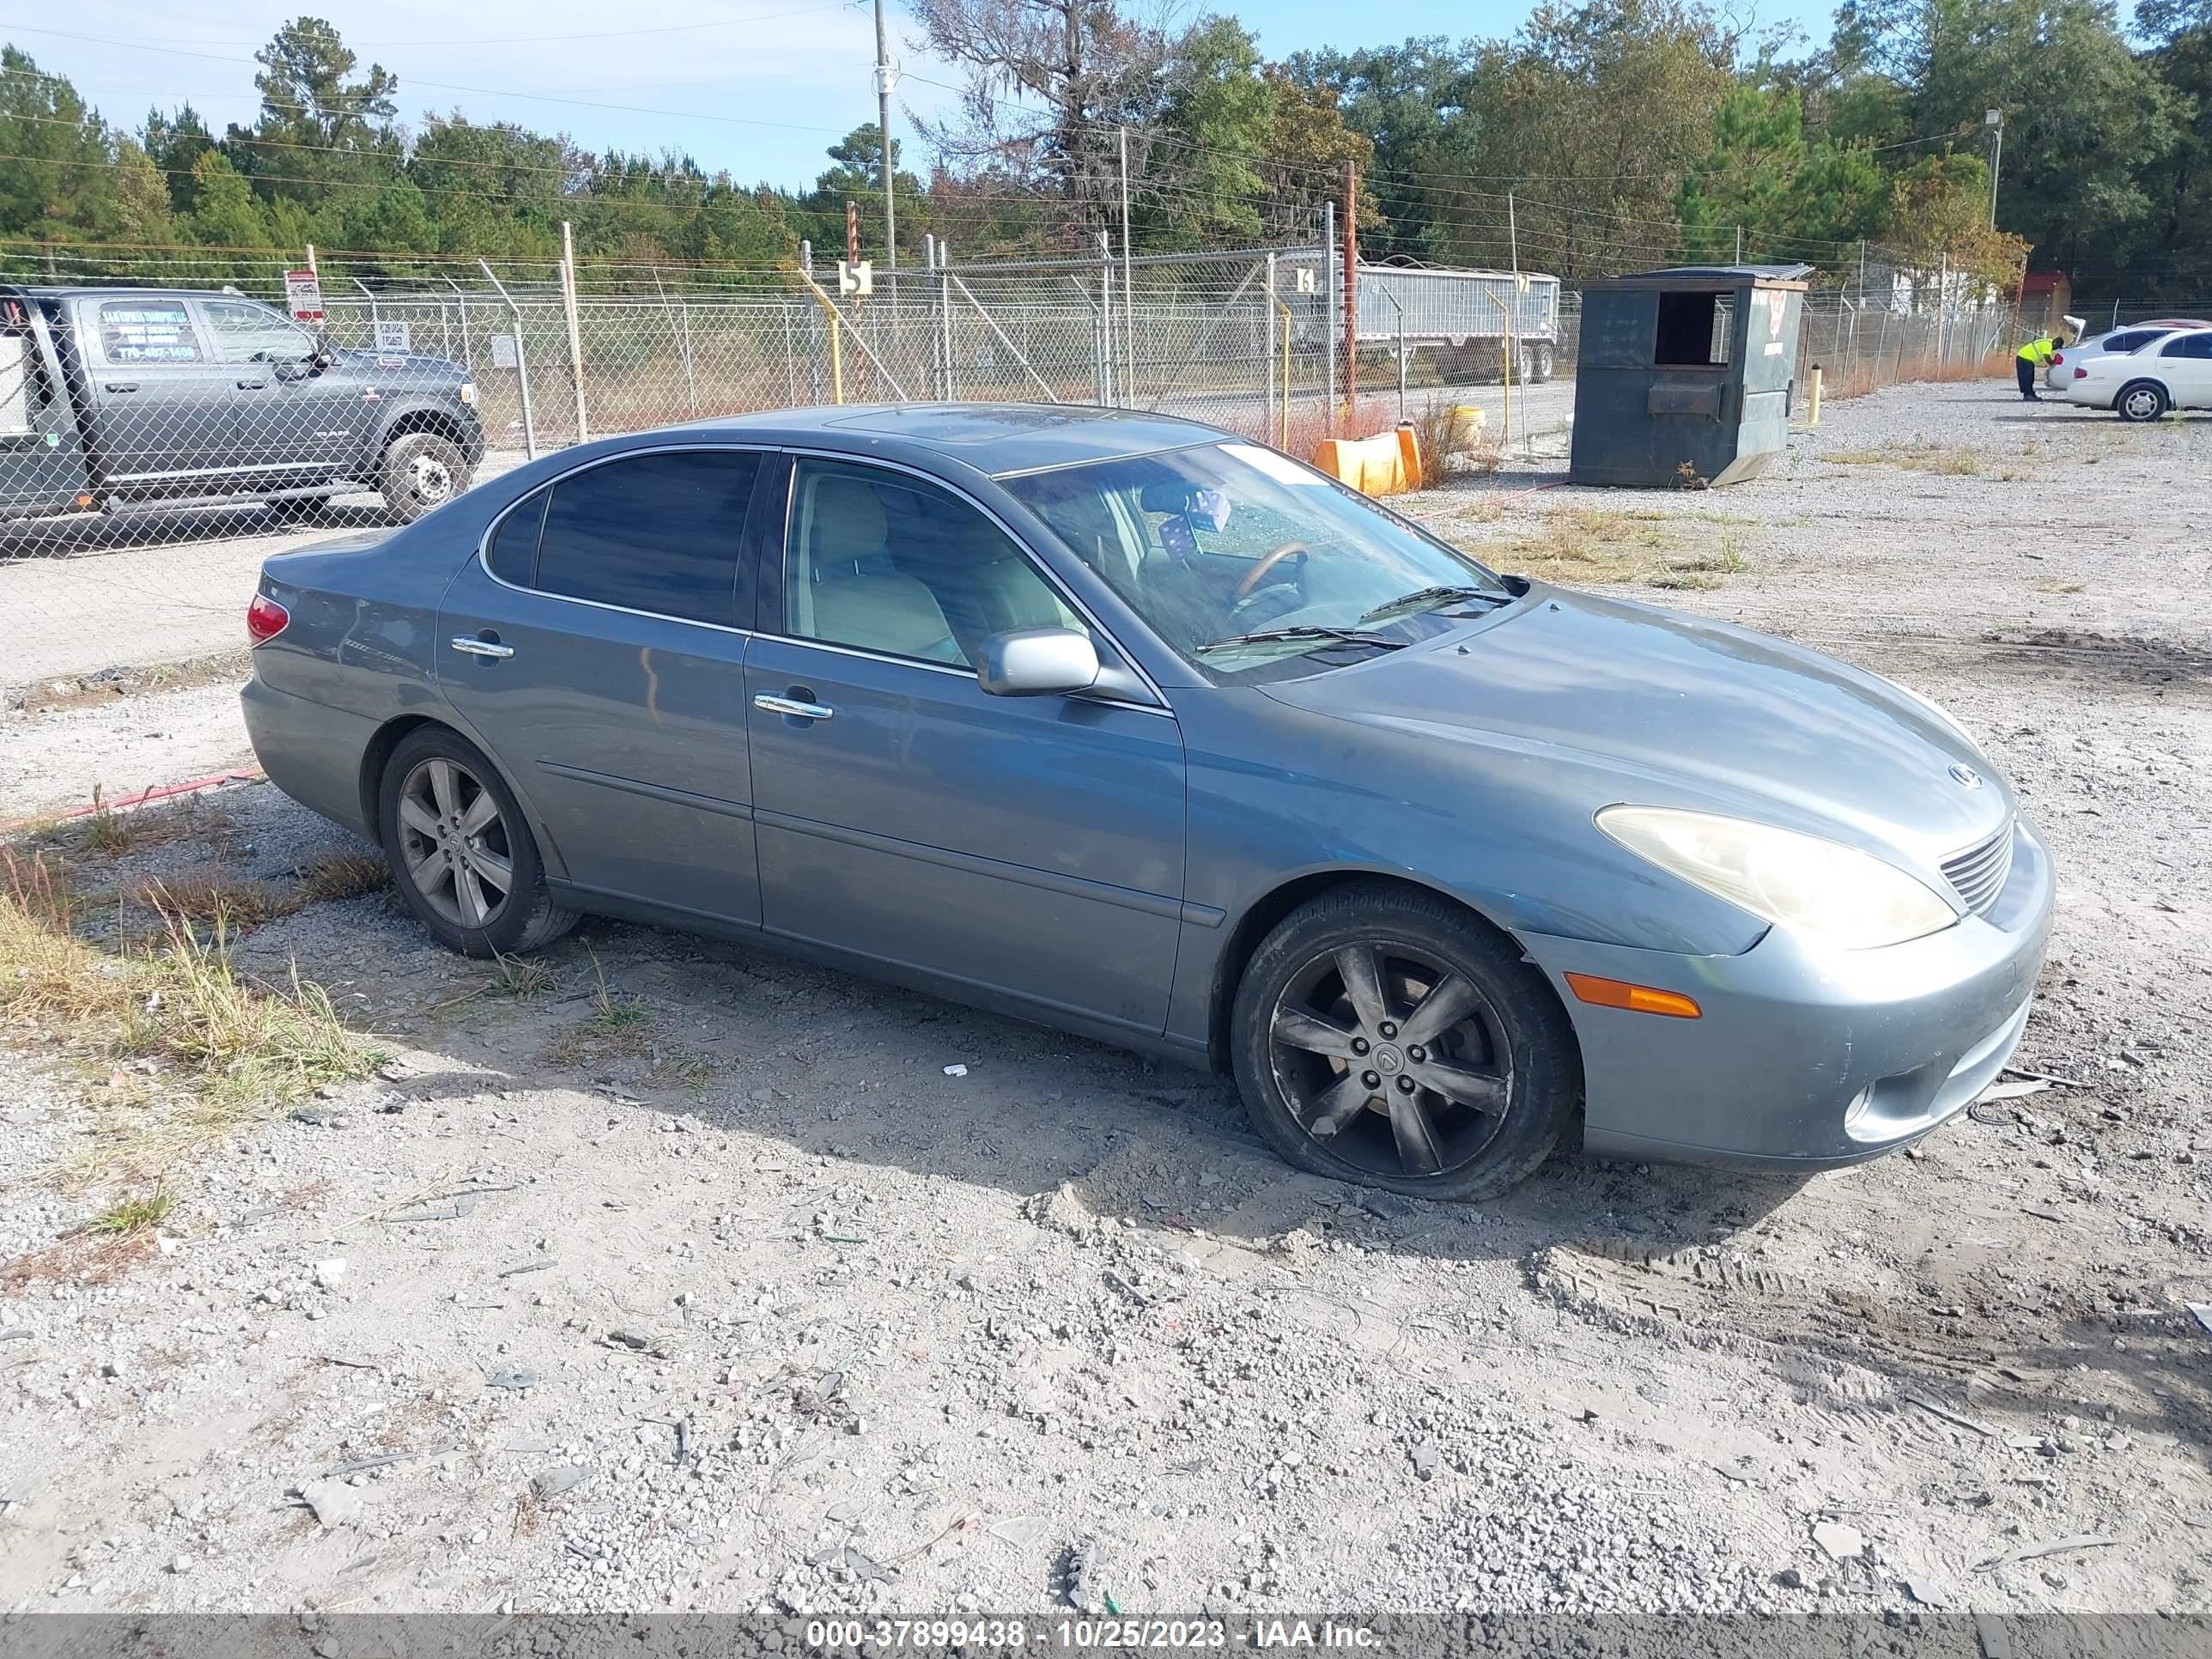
1683	377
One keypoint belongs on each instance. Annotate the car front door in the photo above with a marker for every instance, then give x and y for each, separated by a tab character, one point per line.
594	648
2187	366
1030	847
165	404
288	414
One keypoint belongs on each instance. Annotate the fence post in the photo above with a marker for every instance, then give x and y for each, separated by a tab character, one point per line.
1350	295
576	332
521	363
944	310
1328	314
1106	308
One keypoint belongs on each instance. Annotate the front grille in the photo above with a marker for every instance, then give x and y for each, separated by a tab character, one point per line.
1978	873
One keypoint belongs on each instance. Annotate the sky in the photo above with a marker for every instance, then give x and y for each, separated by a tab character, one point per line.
759	86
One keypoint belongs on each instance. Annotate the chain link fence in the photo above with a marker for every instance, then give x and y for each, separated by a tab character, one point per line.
160	435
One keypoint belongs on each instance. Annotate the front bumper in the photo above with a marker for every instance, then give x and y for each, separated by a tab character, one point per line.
1806	1058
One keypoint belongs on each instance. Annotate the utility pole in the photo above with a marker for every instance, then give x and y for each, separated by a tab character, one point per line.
1351	293
1513	233
852	233
1739	244
884	132
1128	275
1993	120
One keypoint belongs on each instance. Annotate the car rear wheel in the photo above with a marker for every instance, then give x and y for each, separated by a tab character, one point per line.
2143	400
421	471
461	853
1387	1037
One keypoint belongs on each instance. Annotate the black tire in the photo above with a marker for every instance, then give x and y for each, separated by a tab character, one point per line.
1543	364
2139	401
421	471
1515	1040
300	509
525	916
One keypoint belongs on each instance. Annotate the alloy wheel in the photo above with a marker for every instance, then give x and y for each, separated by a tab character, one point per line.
455	845
1391	1059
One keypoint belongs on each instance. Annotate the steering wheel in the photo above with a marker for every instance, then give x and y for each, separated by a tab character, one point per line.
1258	572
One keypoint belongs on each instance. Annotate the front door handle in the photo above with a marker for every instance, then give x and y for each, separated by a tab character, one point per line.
771	704
251	386
462	642
122	385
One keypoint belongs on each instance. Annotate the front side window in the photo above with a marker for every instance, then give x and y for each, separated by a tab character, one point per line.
883	562
655	532
2190	345
143	332
1240	559
245	333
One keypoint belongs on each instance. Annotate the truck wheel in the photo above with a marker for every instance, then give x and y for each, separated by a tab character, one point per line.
421	471
1543	363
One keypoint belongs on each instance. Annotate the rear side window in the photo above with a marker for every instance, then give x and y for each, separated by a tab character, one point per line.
656	533
513	554
2120	344
147	331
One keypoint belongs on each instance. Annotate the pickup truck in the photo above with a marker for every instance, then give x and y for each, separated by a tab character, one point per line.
113	396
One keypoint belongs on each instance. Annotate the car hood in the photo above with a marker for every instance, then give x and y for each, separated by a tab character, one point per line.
1664	709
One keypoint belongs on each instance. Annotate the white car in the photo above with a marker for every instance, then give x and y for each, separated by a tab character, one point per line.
2112	341
2174	371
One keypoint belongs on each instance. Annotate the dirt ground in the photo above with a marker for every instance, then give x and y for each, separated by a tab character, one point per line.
686	1277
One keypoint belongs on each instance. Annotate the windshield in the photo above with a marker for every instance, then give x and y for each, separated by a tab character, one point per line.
1240	558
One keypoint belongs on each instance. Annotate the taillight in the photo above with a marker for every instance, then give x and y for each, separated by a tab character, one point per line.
2080	374
2056	358
265	619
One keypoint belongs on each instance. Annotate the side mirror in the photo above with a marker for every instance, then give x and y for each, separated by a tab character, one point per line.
1038	662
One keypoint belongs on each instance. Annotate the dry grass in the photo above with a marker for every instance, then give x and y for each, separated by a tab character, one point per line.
618	1027
525	979
217	899
1703	569
336	876
1950	460
230	1050
1579	546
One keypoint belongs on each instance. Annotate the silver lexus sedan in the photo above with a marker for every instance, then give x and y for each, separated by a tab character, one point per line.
1131	727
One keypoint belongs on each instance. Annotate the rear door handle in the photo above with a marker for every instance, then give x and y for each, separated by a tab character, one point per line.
122	385
251	386
462	642
792	706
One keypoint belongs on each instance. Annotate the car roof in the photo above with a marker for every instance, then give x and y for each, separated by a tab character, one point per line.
122	292
997	439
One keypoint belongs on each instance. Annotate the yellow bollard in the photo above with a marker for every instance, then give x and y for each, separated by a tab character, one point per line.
1812	399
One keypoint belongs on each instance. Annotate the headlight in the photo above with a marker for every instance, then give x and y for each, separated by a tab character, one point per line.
468	391
1836	893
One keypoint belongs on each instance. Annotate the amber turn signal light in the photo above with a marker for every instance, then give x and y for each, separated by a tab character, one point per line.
1637	999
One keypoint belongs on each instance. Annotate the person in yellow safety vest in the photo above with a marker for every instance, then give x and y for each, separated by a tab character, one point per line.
2035	357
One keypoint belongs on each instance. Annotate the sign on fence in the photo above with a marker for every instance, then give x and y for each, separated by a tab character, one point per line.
504	354
394	336
303	295
856	278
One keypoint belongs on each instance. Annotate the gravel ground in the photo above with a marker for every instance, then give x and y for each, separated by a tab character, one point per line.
745	1300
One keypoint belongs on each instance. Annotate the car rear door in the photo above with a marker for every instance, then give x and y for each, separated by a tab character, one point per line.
288	415
592	648
1030	847
162	404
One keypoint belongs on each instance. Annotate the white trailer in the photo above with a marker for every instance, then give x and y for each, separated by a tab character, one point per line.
1466	316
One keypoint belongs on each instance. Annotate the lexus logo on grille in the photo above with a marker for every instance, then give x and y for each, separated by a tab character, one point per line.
1966	776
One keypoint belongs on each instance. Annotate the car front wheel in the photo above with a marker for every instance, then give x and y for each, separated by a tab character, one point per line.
462	855
1388	1038
421	471
2142	401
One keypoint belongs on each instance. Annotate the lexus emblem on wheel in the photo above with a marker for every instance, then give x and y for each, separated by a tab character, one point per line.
1967	776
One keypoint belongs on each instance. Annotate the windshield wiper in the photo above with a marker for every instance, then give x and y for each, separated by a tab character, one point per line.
1432	598
1302	631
